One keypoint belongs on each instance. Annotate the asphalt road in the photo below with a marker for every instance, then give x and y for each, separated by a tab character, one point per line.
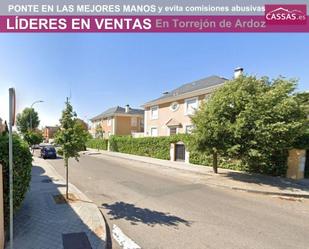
167	208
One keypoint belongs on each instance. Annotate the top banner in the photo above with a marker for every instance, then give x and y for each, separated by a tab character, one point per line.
154	16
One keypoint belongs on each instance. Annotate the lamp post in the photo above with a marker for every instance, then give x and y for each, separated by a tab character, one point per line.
35	102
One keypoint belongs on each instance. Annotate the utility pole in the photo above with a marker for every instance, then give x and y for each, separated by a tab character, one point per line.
12	108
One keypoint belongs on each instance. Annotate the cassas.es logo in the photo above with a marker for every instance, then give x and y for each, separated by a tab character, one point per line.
286	14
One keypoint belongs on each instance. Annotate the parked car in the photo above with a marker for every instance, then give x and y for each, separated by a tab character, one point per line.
48	151
42	145
36	146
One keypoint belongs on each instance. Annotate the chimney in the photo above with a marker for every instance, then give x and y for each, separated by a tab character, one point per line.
127	108
238	72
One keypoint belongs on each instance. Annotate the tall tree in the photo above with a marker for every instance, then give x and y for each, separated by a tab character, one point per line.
27	120
33	138
211	134
82	123
303	99
6	128
71	137
256	120
302	141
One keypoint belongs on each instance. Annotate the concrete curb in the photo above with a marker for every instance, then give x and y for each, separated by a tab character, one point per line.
269	193
73	189
163	164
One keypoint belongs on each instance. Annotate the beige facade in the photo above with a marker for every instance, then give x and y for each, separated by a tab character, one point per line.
49	132
128	124
105	125
118	124
174	113
171	113
173	116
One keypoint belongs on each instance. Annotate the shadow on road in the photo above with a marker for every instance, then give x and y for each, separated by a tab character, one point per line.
122	210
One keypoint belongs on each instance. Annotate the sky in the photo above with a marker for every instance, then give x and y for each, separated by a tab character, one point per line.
99	71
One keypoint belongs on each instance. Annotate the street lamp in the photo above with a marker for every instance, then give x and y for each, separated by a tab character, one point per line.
35	102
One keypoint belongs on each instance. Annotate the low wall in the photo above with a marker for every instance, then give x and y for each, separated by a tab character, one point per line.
296	164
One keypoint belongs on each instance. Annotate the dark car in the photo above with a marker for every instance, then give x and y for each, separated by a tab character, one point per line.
35	147
48	152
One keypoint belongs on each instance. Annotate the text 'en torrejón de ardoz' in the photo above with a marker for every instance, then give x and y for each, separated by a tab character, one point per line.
277	18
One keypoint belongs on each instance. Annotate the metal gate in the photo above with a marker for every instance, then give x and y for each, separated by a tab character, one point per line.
180	152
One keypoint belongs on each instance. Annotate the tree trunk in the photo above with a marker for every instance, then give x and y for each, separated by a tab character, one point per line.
66	164
215	162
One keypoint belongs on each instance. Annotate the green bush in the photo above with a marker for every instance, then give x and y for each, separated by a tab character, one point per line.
97	143
223	162
302	142
22	163
274	164
33	137
200	158
60	151
156	147
159	147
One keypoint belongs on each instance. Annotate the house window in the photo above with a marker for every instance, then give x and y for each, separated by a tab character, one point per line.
109	121
174	106
191	106
173	130
154	112
141	123
154	132
134	121
189	129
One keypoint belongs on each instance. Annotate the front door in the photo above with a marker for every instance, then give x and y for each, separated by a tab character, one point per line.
180	152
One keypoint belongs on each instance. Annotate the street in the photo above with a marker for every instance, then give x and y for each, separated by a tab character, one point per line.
166	208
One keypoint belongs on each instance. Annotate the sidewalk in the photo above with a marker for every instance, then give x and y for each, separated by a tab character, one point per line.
230	179
43	224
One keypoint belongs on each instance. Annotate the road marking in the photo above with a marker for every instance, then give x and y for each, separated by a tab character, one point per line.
124	241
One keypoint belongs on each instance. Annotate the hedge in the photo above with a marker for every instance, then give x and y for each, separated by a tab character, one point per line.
97	143
156	147
159	147
223	162
22	164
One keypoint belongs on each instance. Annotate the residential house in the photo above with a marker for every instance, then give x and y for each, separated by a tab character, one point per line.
170	113
49	132
118	121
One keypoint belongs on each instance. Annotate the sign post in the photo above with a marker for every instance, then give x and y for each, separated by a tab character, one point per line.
12	107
